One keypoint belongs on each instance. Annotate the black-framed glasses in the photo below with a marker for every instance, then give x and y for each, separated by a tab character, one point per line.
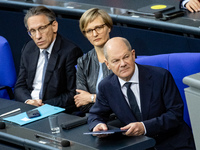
98	29
41	29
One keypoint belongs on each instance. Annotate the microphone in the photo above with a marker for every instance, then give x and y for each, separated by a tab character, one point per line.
2	125
21	142
64	143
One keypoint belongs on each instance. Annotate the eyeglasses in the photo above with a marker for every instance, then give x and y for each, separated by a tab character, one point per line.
41	29
98	29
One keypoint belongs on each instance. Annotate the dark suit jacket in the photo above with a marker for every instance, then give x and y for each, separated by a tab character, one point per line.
161	105
60	78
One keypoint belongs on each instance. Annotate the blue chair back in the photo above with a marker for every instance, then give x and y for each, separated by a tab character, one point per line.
7	67
179	65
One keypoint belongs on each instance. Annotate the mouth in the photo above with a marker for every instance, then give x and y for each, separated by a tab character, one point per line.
96	40
124	70
40	43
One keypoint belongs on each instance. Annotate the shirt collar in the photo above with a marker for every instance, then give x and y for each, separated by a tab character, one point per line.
134	79
49	49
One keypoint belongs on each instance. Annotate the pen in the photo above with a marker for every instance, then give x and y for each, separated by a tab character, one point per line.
10	112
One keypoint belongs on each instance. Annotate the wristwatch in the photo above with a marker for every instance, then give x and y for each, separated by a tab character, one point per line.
92	98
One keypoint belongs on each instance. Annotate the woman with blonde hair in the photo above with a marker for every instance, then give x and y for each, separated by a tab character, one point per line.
96	25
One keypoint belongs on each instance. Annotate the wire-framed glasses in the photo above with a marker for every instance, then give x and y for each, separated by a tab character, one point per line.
41	29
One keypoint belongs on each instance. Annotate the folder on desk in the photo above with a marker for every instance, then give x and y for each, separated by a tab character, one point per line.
45	111
156	8
112	131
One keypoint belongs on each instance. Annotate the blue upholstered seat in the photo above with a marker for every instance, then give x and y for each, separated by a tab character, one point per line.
180	65
7	69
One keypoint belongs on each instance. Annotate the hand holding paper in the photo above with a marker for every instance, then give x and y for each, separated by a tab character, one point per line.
107	132
100	127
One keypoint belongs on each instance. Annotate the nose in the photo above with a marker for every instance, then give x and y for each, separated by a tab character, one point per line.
122	63
37	34
94	32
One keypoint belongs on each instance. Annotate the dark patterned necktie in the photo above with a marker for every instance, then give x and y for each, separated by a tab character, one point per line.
45	53
133	102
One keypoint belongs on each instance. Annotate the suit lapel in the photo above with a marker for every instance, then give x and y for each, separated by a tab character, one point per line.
33	60
145	84
52	63
125	112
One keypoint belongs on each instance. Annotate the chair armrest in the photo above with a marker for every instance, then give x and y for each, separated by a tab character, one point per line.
9	91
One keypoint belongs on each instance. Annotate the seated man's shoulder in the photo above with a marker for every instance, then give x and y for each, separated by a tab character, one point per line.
29	46
69	45
65	41
109	79
155	70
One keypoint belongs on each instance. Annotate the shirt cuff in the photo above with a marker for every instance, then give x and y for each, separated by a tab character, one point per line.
183	3
27	100
145	131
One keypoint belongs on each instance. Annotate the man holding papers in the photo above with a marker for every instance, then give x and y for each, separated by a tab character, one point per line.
144	98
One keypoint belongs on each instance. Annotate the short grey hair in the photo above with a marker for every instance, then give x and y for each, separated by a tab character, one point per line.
126	42
39	10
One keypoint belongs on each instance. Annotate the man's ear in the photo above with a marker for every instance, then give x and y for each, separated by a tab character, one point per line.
106	62
55	26
109	30
133	53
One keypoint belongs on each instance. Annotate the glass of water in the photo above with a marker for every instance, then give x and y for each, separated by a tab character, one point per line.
53	122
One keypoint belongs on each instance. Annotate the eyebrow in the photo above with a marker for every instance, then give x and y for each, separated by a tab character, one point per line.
95	26
38	27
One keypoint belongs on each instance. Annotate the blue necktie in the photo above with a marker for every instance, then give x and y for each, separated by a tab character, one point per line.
45	53
133	102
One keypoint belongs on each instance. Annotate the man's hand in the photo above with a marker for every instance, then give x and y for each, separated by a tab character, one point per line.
193	5
35	102
83	98
100	127
134	129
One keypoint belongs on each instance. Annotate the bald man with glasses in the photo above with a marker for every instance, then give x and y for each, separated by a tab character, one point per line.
47	70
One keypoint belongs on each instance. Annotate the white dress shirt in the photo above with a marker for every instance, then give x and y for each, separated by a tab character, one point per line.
134	87
37	82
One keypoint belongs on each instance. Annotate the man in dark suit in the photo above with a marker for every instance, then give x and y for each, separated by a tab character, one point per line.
47	70
191	5
157	98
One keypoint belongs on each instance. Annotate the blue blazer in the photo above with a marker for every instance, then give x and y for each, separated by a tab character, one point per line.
161	106
60	78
